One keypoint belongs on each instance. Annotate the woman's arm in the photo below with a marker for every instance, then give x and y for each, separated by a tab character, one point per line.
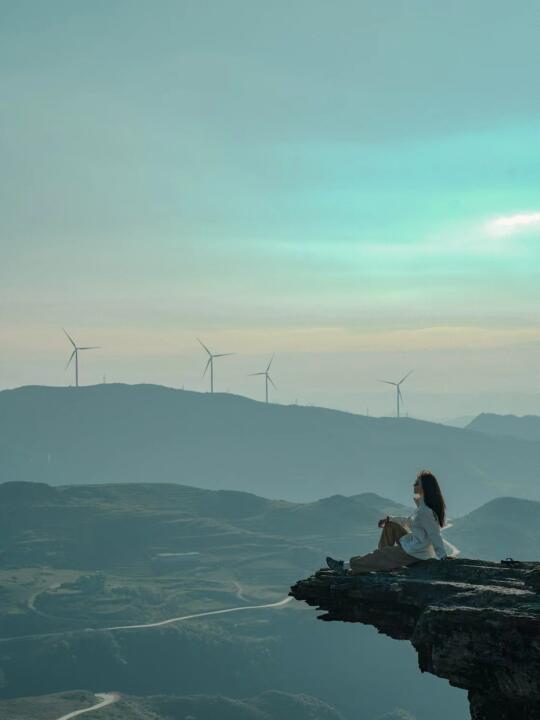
405	522
431	526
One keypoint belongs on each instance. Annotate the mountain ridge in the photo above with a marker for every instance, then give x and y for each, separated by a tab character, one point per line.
524	427
139	433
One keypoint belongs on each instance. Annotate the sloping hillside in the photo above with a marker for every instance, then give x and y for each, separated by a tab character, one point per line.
146	433
271	705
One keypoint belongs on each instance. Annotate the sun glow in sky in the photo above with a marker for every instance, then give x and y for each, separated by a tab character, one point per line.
334	183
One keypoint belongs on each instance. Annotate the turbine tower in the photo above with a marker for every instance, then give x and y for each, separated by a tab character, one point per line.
399	396
75	354
210	363
267	377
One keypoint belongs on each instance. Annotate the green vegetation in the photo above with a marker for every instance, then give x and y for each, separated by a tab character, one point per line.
47	707
396	715
270	705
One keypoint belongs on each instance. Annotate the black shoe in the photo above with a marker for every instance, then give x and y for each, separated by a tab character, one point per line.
335	565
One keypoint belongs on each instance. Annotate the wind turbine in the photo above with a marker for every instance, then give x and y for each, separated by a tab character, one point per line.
75	354
399	396
267	377
210	363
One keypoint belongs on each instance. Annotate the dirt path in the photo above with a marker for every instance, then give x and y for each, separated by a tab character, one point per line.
105	699
239	591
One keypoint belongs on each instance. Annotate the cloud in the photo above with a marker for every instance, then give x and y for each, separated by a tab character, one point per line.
510	224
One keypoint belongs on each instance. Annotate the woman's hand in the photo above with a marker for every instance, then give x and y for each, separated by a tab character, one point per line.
383	522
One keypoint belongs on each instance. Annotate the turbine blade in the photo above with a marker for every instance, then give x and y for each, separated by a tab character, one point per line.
388	382
400	395
273	384
204	346
69	337
70	358
404	378
94	347
252	374
268	368
207	364
223	354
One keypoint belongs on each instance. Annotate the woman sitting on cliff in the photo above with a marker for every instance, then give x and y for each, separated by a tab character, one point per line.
406	540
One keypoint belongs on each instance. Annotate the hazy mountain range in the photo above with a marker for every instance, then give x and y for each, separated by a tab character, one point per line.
102	526
99	527
142	433
525	428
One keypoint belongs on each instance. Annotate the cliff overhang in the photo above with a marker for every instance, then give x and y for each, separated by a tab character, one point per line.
475	623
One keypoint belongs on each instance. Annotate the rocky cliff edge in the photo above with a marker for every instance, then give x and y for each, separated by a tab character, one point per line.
475	623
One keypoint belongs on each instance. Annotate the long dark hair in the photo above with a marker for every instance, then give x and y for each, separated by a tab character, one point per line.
433	496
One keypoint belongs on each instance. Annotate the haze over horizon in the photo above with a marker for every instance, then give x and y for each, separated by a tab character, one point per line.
353	187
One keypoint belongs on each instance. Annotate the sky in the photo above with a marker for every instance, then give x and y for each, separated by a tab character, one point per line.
353	186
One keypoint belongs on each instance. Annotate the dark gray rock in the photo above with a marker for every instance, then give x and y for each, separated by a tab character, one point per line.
475	623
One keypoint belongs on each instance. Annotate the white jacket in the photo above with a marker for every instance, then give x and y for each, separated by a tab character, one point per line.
424	540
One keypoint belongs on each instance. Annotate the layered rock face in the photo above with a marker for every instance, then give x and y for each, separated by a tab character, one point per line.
475	623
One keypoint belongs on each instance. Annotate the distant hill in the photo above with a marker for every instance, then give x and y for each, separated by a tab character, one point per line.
270	705
397	714
149	433
524	428
102	526
505	527
460	422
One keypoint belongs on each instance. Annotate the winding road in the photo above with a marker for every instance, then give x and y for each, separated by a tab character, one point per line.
106	699
161	623
109	698
279	603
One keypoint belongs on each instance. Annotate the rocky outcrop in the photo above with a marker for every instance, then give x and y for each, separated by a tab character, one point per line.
475	623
